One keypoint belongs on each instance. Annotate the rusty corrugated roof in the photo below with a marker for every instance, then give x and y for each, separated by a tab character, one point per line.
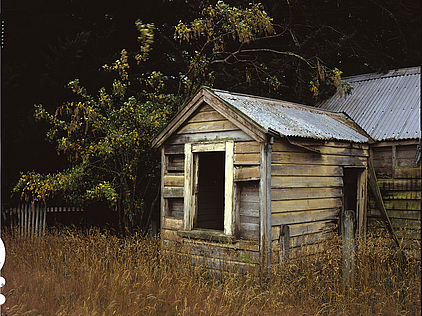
385	105
291	119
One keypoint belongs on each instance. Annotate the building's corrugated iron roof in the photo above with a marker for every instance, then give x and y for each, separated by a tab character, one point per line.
290	119
386	106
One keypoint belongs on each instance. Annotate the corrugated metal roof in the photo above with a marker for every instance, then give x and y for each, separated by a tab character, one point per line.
386	106
290	119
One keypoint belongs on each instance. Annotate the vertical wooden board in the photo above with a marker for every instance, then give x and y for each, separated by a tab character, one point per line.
187	208
162	203
228	190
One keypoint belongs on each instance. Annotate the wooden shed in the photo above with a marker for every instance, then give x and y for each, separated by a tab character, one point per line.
237	170
387	106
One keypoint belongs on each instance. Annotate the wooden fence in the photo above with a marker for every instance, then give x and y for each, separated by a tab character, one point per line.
31	219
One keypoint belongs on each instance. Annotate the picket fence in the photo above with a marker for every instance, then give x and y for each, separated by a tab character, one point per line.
31	219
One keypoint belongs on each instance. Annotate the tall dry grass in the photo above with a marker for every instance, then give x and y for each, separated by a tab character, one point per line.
72	272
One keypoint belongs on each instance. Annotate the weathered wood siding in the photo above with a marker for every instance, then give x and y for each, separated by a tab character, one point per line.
307	188
206	125
399	180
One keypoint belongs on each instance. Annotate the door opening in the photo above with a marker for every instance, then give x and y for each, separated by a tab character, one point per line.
210	190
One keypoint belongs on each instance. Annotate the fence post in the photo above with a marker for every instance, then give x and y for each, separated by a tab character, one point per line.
284	242
349	247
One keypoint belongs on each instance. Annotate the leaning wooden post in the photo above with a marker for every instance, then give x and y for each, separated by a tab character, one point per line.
348	247
284	244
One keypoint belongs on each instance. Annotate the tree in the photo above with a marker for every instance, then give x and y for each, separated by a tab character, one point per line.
234	40
106	139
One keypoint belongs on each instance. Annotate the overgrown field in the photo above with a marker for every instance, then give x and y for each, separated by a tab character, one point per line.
71	272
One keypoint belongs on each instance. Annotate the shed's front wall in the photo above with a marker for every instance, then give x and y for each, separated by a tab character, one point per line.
205	132
308	189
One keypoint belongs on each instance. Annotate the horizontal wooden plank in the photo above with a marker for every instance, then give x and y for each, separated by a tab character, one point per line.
237	135
173	192
312	227
174	181
304	193
310	204
206	116
249	231
411	205
306	182
247	158
219	146
167	234
207	235
215	250
401	195
407	172
414	215
406	152
174	149
397	223
247	147
249	209
316	159
172	223
399	184
205	127
288	218
330	148
302	170
246	173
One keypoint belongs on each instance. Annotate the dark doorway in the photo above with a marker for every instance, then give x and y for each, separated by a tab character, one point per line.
350	180
210	191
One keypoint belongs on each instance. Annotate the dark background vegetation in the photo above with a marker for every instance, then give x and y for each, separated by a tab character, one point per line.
47	43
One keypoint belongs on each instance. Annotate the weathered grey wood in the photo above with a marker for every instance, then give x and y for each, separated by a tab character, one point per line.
174	180
206	234
317	159
174	149
304	216
247	147
247	173
206	127
372	181
173	192
206	116
348	247
361	202
305	193
237	135
407	173
188	212
172	223
305	170
162	202
208	147
284	243
247	159
228	190
305	205
305	182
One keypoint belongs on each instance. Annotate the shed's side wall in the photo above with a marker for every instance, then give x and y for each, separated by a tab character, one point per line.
307	188
206	125
399	180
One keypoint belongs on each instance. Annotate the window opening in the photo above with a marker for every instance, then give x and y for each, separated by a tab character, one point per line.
210	190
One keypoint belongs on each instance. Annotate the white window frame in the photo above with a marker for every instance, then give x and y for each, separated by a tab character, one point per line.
189	194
